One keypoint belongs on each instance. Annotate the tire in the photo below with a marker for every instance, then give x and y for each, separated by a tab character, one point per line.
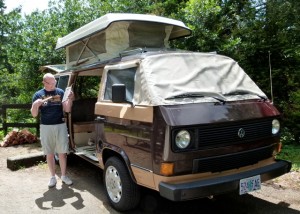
122	193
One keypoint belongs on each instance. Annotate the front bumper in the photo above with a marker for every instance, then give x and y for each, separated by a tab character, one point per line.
220	185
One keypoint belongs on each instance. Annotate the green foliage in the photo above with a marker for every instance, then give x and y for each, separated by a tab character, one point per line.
287	138
290	149
250	31
19	115
87	87
292	114
1	135
291	153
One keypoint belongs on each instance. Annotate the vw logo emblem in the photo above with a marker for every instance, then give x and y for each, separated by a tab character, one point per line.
241	133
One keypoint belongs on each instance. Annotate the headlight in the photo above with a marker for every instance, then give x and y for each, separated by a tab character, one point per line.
183	139
275	126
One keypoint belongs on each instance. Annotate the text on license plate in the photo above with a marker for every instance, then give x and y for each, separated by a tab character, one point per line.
250	184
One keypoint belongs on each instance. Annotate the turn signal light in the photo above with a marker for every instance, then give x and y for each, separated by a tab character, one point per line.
167	169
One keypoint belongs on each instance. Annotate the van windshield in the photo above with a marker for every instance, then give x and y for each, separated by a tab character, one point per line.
176	77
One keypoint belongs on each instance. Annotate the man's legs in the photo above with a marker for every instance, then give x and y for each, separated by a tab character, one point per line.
50	136
62	146
63	163
63	168
51	164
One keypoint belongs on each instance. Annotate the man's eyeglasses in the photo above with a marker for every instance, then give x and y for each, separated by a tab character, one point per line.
49	83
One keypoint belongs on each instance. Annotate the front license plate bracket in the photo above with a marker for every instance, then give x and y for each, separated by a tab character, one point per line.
249	184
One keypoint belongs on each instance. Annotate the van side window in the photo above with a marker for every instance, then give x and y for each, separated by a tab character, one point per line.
125	76
62	82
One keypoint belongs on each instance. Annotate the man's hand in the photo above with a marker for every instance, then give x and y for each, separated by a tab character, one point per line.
38	103
67	105
35	107
71	96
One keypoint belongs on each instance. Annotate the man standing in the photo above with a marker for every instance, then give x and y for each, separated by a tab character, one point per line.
53	130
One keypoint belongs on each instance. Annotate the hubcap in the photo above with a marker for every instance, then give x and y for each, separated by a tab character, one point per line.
113	184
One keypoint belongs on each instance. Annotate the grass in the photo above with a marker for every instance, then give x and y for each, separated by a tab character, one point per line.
291	153
42	165
20	167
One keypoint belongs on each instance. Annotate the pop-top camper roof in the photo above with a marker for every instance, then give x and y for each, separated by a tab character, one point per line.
106	37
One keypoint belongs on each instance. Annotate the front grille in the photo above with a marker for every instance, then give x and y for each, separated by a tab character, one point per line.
231	161
225	134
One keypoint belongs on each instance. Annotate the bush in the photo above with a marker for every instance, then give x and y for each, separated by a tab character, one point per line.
290	149
1	135
287	137
291	115
291	153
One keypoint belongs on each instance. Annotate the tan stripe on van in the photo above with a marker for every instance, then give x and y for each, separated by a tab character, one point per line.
125	111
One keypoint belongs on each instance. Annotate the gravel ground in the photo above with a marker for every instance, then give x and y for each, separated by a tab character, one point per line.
26	190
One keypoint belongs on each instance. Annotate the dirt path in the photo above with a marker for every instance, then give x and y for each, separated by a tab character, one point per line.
26	191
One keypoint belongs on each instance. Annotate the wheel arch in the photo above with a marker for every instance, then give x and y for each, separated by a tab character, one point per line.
107	153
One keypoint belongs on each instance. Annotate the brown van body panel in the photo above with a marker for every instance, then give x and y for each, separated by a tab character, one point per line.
151	142
204	113
132	138
125	111
144	177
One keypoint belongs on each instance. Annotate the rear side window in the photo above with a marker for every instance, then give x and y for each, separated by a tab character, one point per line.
63	82
125	76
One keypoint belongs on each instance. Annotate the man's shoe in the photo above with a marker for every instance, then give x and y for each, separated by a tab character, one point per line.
52	182
66	180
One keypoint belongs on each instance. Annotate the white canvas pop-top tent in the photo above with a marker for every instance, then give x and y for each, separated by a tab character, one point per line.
106	37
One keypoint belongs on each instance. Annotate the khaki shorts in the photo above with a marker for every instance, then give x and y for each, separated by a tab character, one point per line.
54	138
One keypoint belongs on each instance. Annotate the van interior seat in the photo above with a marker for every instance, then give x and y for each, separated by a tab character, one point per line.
83	115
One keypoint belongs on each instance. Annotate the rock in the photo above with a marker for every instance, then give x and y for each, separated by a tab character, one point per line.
19	161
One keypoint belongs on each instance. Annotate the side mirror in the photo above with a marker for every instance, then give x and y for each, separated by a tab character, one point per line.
119	93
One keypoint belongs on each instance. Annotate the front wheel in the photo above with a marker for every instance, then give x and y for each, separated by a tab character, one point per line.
123	194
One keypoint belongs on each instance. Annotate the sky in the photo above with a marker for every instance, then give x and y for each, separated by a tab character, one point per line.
28	6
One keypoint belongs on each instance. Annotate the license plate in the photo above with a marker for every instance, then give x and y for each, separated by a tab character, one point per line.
250	184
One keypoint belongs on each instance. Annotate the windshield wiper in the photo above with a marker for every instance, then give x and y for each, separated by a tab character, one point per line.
214	95
245	92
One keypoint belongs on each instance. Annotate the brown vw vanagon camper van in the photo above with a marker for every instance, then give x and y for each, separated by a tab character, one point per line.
185	124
